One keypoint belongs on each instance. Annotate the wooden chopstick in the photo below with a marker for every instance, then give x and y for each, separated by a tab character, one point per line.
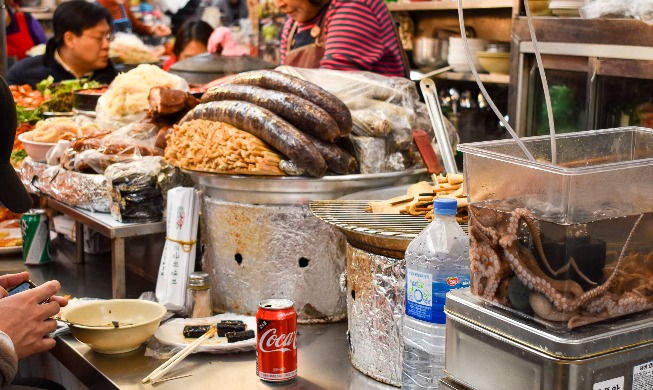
179	356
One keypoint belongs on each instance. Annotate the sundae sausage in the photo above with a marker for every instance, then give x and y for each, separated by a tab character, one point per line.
267	126
338	160
299	112
270	79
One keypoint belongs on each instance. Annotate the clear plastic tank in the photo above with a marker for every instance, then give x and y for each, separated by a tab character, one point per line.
570	244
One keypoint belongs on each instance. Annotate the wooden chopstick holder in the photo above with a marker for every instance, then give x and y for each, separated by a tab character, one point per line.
178	357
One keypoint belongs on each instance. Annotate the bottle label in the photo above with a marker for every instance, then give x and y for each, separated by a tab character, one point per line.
425	297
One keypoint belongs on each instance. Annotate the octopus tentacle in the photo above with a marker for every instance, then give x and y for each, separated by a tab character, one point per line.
596	291
487	270
525	266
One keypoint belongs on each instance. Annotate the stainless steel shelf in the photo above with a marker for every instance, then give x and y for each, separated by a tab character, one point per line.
448	5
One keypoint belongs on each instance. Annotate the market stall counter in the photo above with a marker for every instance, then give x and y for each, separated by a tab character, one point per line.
322	348
115	231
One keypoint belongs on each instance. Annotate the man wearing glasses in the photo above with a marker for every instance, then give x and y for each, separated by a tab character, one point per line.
79	47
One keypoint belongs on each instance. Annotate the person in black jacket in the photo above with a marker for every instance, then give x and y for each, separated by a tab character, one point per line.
79	47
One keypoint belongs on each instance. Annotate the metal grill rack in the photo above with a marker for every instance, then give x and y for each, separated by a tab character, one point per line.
385	234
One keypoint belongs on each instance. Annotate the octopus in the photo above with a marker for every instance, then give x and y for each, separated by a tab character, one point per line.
497	256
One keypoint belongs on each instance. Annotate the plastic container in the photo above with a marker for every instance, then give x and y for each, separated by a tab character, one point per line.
437	261
565	244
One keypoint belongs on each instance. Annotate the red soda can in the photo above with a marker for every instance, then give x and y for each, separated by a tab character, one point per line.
276	340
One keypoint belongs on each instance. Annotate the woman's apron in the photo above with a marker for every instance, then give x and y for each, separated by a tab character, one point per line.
19	43
310	50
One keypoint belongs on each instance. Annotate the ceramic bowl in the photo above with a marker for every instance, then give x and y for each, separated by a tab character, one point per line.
36	150
137	321
496	63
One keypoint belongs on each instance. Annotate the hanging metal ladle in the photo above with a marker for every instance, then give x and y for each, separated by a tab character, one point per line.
430	93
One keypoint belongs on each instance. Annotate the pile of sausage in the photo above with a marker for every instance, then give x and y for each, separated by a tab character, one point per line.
299	119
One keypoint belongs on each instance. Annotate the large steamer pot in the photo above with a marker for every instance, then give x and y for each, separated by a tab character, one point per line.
204	68
262	241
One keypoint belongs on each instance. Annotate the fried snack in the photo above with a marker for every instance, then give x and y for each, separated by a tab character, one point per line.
212	146
419	198
10	241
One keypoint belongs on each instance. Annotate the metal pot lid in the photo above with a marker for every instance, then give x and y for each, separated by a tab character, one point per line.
294	189
213	63
582	343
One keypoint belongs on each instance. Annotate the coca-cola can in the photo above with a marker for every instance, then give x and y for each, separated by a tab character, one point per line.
276	340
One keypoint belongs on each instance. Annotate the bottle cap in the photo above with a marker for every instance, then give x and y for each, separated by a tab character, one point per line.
198	279
445	206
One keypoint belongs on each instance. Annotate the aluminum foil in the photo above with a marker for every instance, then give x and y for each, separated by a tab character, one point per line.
254	252
375	306
86	191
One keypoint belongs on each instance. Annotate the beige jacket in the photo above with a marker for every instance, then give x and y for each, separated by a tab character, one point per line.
8	360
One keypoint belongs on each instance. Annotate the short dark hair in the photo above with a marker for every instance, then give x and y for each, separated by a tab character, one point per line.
192	30
75	16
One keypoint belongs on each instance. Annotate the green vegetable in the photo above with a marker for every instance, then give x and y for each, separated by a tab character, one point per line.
27	115
18	155
60	95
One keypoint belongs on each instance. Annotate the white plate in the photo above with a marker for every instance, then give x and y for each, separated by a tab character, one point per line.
171	333
13	233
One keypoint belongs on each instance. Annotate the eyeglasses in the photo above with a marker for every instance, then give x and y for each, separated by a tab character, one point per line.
109	37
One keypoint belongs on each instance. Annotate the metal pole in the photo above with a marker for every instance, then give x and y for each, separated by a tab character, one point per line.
3	41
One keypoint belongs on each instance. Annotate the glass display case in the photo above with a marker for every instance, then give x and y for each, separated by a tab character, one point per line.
599	72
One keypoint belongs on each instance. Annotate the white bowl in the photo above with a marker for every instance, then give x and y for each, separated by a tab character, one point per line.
138	320
36	150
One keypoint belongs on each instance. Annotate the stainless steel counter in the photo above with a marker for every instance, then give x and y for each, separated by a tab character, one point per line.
323	361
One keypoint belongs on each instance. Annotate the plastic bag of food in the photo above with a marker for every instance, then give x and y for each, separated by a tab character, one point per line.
384	111
95	154
138	188
378	103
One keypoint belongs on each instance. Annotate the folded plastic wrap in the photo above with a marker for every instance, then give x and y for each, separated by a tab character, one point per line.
86	191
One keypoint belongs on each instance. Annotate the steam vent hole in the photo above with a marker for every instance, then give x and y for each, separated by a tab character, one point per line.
239	258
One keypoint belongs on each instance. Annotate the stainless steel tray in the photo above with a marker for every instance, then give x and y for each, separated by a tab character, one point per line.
582	343
525	355
295	189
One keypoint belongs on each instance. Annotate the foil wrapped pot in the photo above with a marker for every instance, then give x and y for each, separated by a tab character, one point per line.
375	306
255	252
262	241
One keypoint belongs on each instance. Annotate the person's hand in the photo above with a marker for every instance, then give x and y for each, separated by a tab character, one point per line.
161	30
10	280
26	321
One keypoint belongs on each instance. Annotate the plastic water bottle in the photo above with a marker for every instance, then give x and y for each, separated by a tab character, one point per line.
437	260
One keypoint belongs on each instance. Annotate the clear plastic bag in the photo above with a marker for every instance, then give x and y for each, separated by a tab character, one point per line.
384	109
635	9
